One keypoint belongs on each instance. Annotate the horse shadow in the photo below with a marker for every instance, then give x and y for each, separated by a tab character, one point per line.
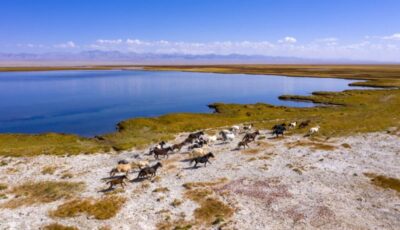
185	160
138	179
191	168
106	190
221	143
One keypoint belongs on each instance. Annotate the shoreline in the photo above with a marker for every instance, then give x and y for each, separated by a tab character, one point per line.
141	131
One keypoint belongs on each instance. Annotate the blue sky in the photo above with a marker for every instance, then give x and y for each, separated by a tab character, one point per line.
367	29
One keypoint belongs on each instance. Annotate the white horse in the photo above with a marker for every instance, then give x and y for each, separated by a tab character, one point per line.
235	129
314	130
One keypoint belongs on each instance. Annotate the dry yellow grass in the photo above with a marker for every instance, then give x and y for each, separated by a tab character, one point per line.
161	189
49	170
251	151
384	181
43	192
100	209
180	224
3	186
203	184
211	210
57	226
346	145
311	145
198	194
176	202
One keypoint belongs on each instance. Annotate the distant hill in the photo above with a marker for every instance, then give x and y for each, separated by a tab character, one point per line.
117	57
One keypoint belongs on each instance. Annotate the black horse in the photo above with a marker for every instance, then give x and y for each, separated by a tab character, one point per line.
203	159
279	130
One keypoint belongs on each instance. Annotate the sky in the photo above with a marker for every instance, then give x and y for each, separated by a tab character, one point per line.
329	29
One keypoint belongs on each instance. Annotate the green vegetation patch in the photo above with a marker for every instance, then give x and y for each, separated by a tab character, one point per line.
48	144
100	209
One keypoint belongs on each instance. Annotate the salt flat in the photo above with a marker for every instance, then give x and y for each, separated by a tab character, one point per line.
286	183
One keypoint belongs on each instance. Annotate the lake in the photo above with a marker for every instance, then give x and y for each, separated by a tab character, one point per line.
92	102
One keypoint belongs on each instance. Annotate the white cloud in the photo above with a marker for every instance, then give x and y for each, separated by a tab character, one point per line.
394	37
330	41
319	48
383	48
69	44
30	45
288	40
105	41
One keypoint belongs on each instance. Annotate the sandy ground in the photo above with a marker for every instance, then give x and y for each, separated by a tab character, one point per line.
275	185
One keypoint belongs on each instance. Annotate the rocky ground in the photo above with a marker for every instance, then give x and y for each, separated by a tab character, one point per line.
286	183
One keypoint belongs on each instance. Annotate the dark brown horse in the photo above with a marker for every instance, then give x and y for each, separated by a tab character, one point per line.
244	143
149	170
163	152
177	146
251	136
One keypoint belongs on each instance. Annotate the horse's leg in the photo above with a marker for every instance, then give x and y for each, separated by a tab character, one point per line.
111	186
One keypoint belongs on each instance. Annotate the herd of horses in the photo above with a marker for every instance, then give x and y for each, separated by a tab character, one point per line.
195	142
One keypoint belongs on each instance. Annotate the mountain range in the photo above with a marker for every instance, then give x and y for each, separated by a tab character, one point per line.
117	57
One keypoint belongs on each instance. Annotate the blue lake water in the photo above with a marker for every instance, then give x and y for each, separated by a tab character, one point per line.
93	102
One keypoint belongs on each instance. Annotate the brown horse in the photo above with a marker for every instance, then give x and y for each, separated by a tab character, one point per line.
118	181
251	136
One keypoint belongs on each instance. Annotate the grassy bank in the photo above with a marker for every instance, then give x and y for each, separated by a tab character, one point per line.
356	111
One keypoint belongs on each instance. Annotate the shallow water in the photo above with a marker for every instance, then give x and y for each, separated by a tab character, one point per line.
93	102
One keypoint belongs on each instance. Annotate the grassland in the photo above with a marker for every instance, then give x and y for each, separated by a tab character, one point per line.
355	111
